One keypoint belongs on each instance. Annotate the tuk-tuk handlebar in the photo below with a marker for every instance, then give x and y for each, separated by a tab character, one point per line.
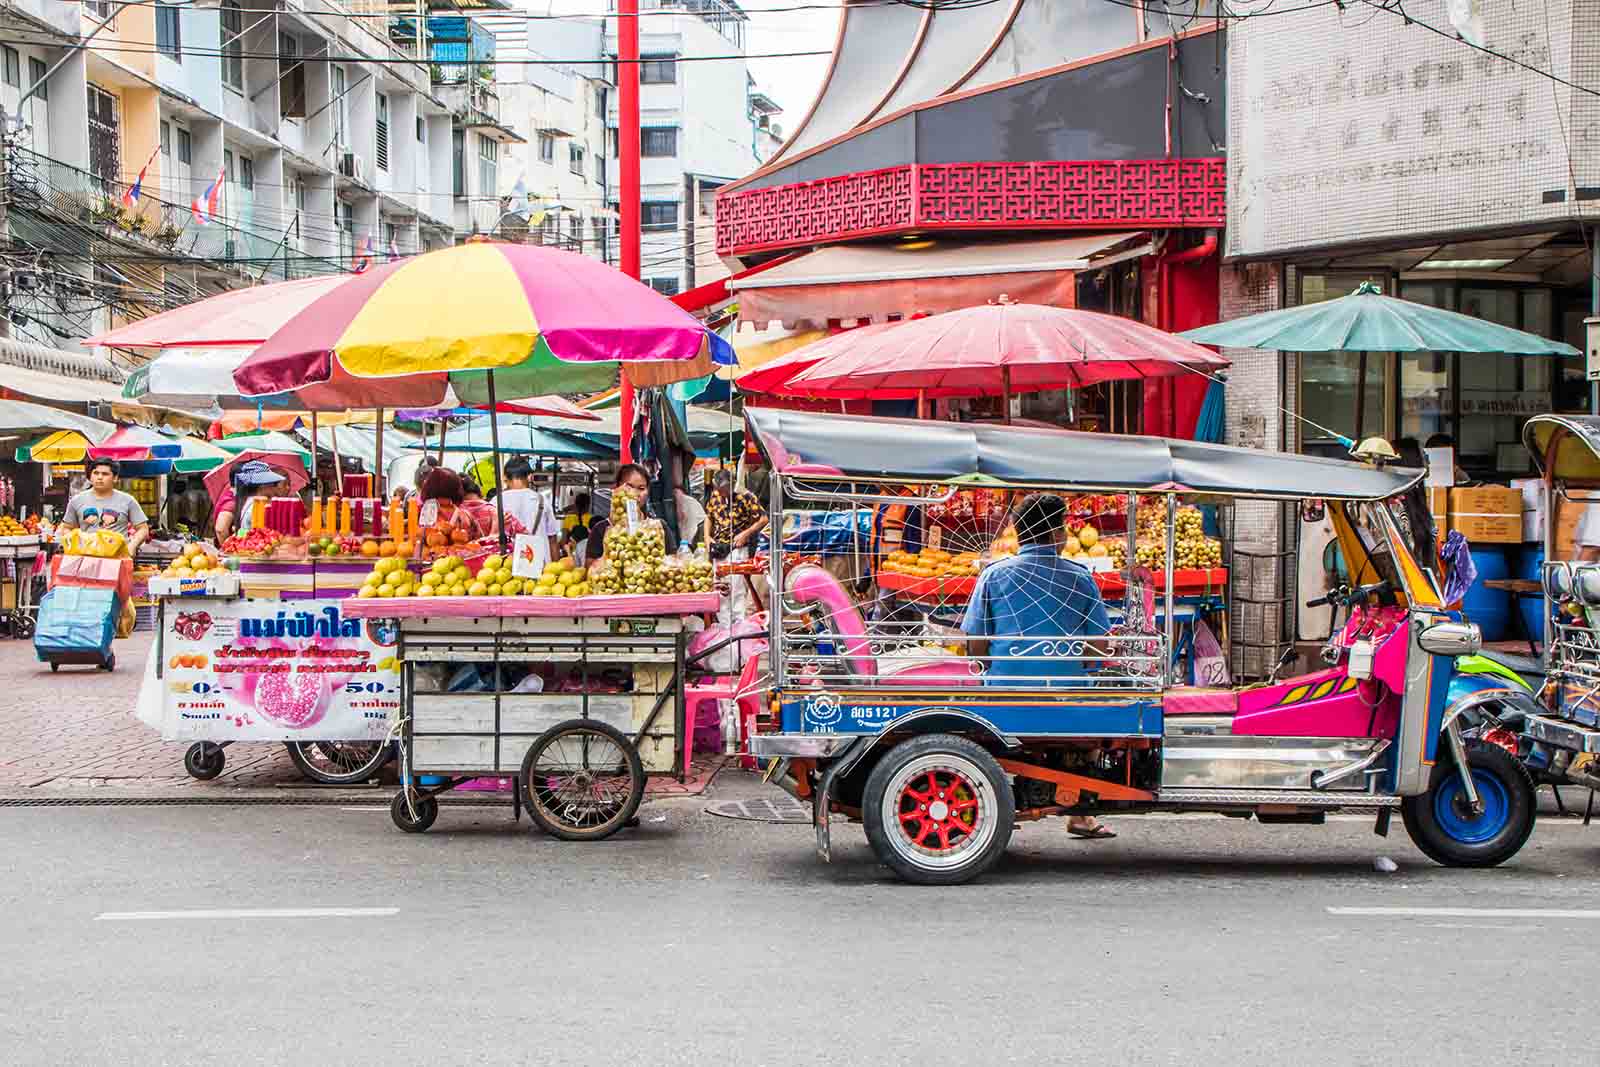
1345	596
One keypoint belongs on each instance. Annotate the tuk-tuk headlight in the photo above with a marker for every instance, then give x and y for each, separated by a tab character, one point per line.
1558	581
1586	584
1451	639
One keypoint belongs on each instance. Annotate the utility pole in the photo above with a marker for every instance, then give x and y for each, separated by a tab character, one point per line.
628	148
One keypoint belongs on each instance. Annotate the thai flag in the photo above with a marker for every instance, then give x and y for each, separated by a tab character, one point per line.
204	208
130	196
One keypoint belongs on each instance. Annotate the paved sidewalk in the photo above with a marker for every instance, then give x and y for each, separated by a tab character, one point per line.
73	734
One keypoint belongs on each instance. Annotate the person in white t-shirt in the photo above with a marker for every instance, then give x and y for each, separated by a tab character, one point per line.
532	508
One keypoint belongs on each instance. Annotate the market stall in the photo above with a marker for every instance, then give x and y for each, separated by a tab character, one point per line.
511	663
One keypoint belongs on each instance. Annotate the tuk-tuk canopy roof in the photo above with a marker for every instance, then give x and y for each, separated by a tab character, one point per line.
1576	441
852	447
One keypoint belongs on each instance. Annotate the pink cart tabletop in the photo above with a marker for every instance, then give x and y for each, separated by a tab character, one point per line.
525	607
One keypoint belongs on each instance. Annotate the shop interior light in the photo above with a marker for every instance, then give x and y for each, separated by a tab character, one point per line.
1462	264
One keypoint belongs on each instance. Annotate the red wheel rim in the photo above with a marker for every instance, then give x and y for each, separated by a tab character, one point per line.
939	811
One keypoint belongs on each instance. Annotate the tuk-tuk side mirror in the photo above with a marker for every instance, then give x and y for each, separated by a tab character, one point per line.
1451	639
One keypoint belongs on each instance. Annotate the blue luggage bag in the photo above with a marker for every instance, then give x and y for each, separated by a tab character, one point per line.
76	625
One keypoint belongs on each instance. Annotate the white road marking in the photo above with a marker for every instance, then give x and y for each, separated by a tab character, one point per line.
1472	913
247	913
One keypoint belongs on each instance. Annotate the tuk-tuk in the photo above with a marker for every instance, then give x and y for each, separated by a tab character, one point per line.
1562	740
940	731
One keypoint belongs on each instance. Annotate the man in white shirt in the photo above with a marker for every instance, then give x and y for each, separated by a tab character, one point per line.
531	508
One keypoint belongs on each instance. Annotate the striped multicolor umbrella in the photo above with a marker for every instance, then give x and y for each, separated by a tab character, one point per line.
132	443
541	320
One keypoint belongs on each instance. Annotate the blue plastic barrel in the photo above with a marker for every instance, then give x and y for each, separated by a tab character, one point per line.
1532	608
1489	608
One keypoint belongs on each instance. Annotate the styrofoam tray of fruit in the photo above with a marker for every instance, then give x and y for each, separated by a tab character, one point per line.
19	540
224	585
526	606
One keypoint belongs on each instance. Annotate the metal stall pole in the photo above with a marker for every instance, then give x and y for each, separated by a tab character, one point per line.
1167	669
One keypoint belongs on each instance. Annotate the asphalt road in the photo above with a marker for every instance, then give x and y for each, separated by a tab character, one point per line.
706	941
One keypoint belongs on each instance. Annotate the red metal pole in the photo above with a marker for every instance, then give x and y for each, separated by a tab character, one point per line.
628	148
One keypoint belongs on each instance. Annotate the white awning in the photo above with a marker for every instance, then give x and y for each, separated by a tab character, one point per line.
961	258
18	415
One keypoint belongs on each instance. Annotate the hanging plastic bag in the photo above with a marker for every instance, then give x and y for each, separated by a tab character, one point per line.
1210	664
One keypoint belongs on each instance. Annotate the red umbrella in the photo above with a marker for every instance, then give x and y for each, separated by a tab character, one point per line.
237	317
287	464
996	349
772	376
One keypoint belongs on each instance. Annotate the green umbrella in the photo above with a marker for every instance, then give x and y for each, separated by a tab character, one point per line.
1367	321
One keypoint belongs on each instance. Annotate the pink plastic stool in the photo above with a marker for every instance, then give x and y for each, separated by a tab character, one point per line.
727	687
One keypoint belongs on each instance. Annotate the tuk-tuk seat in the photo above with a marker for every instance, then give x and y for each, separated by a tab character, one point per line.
1199	700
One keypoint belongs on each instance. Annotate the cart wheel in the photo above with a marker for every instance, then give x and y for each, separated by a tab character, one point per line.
582	780
54	666
425	809
204	761
1443	826
339	762
22	627
110	662
938	810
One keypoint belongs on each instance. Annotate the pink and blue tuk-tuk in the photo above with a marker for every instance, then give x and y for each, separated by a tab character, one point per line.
900	720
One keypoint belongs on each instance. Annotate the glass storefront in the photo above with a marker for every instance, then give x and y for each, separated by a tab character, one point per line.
1478	400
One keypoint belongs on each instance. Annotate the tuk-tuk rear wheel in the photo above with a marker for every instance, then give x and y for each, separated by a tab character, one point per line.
1450	833
938	810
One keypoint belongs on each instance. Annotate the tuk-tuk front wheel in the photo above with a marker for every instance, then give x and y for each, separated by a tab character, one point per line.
1444	825
938	810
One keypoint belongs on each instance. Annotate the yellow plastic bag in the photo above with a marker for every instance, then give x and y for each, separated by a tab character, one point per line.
105	544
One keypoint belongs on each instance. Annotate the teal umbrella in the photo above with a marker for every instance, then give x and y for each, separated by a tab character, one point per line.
1367	321
517	438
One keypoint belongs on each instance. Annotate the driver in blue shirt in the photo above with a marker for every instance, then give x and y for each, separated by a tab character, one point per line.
1028	604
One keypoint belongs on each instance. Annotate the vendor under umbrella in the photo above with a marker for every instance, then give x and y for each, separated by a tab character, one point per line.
253	480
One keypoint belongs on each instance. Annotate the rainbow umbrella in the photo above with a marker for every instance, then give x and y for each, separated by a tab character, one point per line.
542	320
538	319
266	442
59	446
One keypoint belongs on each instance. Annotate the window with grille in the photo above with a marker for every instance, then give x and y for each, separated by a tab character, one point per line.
658	70
232	45
227	165
99	8
665	286
13	66
36	73
185	146
422	130
383	132
105	135
166	138
600	100
341	108
488	166
292	88
169	36
658	214
247	172
659	141
600	170
547	148
575	158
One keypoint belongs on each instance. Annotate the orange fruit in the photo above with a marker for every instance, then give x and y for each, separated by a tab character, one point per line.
369	548
175	662
405	549
386	549
436	539
459	537
199	661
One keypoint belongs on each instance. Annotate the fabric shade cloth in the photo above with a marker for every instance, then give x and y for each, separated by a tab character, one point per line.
876	283
290	464
136	443
1368	321
19	415
997	349
545	321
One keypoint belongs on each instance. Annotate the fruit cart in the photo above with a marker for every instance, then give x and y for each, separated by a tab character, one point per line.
19	557
578	697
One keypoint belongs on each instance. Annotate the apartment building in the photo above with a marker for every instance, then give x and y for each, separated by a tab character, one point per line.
703	125
555	89
325	141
